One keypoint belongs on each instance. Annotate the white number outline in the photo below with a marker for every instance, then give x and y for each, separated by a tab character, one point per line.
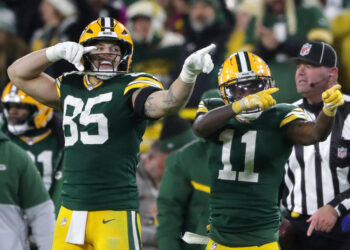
248	175
85	119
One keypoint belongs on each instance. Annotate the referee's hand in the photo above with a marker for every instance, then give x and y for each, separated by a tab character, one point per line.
323	220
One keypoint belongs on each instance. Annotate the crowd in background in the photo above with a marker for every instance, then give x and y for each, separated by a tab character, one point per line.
273	29
165	33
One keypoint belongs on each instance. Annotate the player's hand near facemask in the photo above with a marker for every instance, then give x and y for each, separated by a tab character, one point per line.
261	100
69	51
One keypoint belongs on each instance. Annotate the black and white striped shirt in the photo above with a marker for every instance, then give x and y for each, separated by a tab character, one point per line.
319	174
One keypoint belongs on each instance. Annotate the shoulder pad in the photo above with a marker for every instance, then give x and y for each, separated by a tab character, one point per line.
290	113
141	80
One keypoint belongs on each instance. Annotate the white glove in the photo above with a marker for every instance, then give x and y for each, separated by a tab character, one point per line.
69	51
197	62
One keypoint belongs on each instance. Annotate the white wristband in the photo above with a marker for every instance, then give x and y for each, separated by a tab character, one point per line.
51	55
187	78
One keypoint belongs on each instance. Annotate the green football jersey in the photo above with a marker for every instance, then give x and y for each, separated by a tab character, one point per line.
102	139
246	164
18	176
43	150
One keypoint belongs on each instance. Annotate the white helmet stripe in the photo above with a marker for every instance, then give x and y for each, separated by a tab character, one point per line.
243	62
107	24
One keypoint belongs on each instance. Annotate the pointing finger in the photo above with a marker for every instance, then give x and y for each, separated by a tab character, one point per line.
311	227
336	87
207	49
89	49
268	91
330	91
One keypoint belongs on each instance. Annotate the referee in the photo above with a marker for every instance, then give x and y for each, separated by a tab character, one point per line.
316	189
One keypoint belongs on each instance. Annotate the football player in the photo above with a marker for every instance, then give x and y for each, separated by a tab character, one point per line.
250	139
105	111
34	127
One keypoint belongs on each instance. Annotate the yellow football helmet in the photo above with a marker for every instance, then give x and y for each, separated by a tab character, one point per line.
37	118
242	74
104	29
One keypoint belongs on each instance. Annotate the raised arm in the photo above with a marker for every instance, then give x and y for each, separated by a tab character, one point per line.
27	73
172	100
307	133
208	123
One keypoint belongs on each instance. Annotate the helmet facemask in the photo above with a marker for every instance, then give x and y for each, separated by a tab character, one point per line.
20	125
107	30
33	122
240	89
242	74
102	60
237	89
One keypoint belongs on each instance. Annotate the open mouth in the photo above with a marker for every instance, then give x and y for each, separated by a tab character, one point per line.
106	66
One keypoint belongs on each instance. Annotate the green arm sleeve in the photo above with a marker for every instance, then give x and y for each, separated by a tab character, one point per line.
174	193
